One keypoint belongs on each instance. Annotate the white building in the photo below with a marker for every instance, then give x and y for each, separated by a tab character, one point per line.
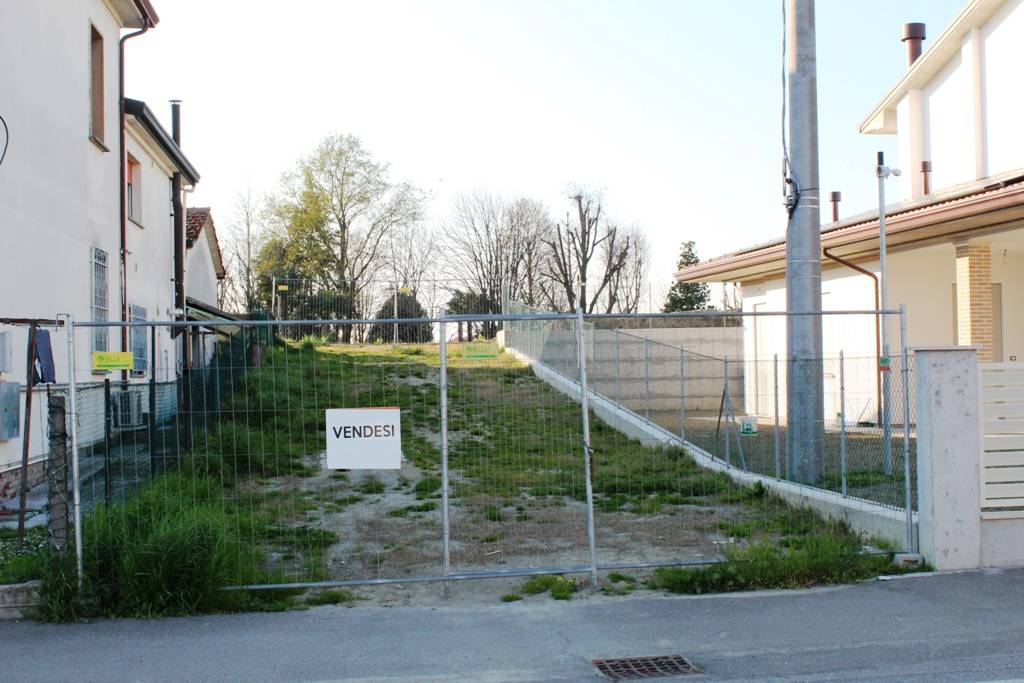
69	246
956	235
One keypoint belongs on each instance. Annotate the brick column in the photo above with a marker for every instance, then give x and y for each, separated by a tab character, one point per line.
974	297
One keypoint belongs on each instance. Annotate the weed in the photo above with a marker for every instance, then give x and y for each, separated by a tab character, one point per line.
817	560
372	485
559	587
511	597
492	513
427	487
490	538
616	577
411	509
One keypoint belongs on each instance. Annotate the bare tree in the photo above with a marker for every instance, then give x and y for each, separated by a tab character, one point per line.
626	288
475	245
577	270
240	253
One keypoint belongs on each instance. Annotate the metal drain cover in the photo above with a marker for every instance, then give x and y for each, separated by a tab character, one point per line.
631	668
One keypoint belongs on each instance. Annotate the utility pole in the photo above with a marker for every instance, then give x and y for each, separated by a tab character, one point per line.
803	251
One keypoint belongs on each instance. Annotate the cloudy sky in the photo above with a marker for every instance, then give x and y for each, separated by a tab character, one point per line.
670	108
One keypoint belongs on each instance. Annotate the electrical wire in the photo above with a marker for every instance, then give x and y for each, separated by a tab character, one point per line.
790	187
7	139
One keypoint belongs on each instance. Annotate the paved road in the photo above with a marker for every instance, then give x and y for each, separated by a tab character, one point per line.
960	627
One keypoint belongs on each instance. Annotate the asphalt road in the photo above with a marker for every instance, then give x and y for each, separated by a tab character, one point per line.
957	627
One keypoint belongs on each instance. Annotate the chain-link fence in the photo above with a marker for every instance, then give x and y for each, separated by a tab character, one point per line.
569	444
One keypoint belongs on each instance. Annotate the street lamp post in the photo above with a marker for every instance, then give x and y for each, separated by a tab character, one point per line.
882	172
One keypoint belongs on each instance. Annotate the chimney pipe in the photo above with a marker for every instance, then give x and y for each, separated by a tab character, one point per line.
926	171
913	36
835	199
176	121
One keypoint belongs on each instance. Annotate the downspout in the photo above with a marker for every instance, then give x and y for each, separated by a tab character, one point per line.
122	161
878	343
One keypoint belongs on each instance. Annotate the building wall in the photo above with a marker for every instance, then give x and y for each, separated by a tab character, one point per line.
200	276
921	279
59	192
966	120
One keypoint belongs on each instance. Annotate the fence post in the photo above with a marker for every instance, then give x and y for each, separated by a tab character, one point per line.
907	501
618	383
108	419
647	379
682	396
76	494
443	401
587	450
842	422
725	393
152	401
57	476
775	389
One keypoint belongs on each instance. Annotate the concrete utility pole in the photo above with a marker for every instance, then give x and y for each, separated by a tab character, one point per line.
803	251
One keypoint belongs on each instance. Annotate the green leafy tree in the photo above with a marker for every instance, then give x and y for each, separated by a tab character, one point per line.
408	307
687	296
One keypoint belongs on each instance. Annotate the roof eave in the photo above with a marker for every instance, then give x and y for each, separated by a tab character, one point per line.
141	111
882	118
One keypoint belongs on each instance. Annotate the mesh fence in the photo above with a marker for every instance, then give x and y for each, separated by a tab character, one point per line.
685	449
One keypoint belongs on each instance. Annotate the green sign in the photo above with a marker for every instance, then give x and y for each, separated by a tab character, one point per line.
885	364
480	351
748	426
112	360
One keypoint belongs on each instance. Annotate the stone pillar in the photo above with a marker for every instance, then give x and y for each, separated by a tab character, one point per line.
949	456
974	297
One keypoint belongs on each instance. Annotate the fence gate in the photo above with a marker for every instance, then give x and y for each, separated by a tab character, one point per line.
580	443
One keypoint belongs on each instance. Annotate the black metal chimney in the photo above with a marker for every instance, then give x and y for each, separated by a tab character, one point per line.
176	121
913	36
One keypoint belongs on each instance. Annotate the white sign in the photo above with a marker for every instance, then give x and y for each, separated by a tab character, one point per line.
364	439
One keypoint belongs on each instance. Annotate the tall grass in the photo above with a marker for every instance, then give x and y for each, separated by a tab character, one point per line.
170	549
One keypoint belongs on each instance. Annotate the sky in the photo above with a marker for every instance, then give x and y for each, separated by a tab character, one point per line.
670	108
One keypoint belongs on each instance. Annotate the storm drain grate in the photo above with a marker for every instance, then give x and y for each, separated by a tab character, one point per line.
628	668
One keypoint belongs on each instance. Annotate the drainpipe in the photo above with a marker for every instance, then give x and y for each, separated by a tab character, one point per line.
878	342
122	161
179	239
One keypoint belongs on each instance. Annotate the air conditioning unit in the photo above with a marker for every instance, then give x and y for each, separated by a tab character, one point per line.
128	410
5	351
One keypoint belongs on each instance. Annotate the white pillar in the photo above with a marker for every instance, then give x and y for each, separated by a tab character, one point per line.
949	456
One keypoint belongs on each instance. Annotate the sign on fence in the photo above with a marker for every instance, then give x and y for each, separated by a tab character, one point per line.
480	351
112	360
748	426
364	439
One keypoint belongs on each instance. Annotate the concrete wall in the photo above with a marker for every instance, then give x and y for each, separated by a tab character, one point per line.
640	374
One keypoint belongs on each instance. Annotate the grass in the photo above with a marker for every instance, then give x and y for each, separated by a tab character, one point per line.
171	549
413	509
814	560
26	564
372	485
559	587
511	597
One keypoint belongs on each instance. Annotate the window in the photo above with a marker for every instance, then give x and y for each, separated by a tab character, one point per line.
95	85
133	194
100	335
139	343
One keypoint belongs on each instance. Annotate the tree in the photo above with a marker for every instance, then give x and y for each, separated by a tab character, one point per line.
579	274
408	307
241	253
626	288
687	296
334	212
